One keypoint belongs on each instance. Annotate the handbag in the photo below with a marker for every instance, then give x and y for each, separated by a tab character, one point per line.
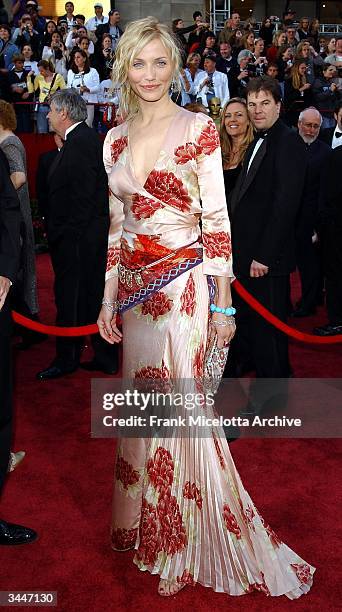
214	364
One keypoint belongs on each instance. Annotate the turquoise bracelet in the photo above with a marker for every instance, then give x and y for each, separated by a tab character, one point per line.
230	311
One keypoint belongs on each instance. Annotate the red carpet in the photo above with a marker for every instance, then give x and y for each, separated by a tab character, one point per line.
63	489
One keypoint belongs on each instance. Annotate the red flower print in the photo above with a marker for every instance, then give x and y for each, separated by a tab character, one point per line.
217	244
125	473
149	544
144	208
209	139
169	189
190	491
158	305
219	452
185	153
172	532
198	362
249	514
260	586
188	297
113	257
122	539
231	522
117	147
302	572
160	469
152	377
186	578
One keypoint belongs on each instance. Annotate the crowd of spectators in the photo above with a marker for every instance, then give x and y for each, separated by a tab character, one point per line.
39	56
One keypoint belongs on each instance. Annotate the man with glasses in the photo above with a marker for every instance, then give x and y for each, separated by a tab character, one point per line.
307	254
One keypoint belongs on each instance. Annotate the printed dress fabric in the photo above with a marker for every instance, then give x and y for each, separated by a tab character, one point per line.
179	500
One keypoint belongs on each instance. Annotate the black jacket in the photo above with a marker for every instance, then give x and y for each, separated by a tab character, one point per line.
327	135
265	202
10	220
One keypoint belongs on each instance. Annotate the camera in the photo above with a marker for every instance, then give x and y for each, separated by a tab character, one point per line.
27	28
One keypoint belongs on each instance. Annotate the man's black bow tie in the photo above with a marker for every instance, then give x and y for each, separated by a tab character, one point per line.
338	134
261	134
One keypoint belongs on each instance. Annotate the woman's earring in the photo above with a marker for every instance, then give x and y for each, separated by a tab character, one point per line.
173	87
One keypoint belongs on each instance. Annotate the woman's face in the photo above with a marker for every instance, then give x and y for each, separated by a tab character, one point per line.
195	61
267	23
151	71
81	32
329	72
332	45
84	45
44	72
55	38
243	62
27	52
282	39
250	39
51	27
236	119
259	46
107	43
306	50
79	61
302	69
287	54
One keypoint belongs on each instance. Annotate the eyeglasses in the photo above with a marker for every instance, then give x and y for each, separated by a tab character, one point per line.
314	126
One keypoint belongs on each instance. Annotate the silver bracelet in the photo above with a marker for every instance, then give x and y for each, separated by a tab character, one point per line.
230	321
111	306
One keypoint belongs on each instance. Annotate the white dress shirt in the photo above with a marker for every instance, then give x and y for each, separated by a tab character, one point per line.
336	142
94	22
72	127
255	150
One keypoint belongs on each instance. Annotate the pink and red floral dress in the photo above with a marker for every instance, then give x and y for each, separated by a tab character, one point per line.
180	500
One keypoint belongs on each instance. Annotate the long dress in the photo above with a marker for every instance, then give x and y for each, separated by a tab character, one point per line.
27	280
179	501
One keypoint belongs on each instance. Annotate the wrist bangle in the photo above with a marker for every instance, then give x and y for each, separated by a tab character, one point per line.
229	312
112	306
230	321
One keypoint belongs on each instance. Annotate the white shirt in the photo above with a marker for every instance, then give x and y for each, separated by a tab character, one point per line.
256	149
30	65
221	89
336	142
108	93
90	79
94	22
69	129
70	42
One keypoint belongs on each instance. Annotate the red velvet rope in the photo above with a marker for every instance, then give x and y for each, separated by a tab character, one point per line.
93	329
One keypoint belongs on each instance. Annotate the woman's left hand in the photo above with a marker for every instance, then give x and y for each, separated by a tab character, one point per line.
224	333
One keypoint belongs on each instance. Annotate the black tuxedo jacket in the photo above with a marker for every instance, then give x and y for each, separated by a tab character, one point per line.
327	135
45	162
78	215
265	202
10	220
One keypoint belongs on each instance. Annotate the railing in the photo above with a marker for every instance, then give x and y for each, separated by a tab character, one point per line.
218	18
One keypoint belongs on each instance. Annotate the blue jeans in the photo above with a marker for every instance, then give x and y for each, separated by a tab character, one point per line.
42	122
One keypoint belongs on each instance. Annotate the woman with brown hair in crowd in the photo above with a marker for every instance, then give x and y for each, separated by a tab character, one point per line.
236	134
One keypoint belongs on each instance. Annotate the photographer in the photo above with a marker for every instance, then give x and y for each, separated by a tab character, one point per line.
74	36
238	78
103	58
56	53
25	34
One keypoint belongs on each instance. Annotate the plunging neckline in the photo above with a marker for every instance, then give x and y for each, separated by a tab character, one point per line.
130	157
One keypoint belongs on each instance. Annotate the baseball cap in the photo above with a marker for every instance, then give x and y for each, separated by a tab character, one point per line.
98	4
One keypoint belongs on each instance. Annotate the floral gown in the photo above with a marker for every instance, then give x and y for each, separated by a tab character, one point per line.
180	500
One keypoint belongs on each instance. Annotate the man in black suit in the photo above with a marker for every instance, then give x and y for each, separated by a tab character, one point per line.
307	254
264	205
45	162
330	233
9	261
333	136
77	229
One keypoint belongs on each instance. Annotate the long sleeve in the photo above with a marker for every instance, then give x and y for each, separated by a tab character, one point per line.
10	219
217	258
116	212
92	81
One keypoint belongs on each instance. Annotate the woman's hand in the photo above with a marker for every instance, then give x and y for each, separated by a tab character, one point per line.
107	326
224	333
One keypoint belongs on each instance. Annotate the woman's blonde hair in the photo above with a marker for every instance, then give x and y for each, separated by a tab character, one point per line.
191	57
298	80
137	35
8	119
227	141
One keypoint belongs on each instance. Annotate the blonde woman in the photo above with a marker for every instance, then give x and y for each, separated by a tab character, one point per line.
279	39
236	134
178	499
